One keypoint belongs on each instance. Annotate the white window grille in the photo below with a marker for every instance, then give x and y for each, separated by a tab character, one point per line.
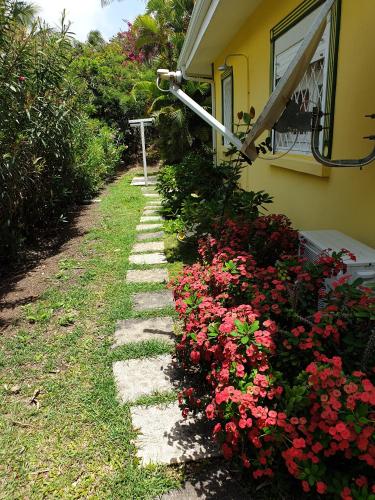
313	87
227	100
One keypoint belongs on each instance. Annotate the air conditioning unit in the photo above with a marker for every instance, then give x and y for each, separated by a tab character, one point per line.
314	243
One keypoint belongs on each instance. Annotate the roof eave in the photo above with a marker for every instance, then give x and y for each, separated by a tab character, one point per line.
193	36
202	45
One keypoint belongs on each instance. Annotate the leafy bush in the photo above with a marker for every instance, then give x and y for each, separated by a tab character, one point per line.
97	155
178	182
50	155
286	384
112	82
203	194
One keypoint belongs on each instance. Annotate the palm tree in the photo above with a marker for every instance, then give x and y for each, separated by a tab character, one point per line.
160	31
22	13
95	38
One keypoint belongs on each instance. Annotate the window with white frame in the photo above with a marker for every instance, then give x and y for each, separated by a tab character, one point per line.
227	103
312	90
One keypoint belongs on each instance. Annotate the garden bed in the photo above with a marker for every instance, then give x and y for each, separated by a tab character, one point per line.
287	384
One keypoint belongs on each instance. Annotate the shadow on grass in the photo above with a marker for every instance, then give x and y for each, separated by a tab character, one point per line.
177	251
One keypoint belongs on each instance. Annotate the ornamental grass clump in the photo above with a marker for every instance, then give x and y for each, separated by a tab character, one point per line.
276	362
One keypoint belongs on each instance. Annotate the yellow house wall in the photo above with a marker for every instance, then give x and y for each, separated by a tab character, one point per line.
345	198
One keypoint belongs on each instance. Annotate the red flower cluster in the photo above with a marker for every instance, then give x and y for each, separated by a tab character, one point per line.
262	358
340	422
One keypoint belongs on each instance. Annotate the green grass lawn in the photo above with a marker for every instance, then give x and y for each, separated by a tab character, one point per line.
74	440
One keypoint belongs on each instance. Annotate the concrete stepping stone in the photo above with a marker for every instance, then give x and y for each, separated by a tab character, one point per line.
143	377
153	203
150	246
151	195
151	218
152	300
148	236
142	178
165	437
147	276
148	227
139	330
215	482
148	259
150	211
140	181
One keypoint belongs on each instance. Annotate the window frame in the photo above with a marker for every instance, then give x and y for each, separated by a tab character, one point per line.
228	73
287	23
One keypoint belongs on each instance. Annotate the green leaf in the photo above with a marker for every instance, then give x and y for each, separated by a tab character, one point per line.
247	118
212	334
254	327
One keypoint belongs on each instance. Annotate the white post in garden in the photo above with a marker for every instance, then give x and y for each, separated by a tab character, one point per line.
141	123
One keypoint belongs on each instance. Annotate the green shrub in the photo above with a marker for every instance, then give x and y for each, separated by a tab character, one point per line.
195	176
201	193
50	155
97	154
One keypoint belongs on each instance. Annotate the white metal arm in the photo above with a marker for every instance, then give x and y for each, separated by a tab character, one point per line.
205	115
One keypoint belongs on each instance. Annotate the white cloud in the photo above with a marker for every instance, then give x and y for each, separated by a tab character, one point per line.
85	15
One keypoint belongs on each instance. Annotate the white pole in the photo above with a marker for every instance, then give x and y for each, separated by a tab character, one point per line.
190	103
144	152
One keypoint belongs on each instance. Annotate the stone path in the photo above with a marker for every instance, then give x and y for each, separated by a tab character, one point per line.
164	436
148	227
147	276
148	258
153	203
146	301
167	438
144	377
150	211
140	330
150	235
151	246
151	218
151	195
214	482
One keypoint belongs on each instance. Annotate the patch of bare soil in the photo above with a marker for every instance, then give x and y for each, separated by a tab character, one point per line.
25	283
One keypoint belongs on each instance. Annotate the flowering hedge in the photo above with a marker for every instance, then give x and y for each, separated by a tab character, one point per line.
281	379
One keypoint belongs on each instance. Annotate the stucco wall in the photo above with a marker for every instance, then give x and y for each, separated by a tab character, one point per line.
345	198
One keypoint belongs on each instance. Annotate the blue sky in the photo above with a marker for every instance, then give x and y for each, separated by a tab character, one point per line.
87	15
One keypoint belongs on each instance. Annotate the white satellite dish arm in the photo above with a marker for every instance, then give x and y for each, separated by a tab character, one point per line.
175	79
205	115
